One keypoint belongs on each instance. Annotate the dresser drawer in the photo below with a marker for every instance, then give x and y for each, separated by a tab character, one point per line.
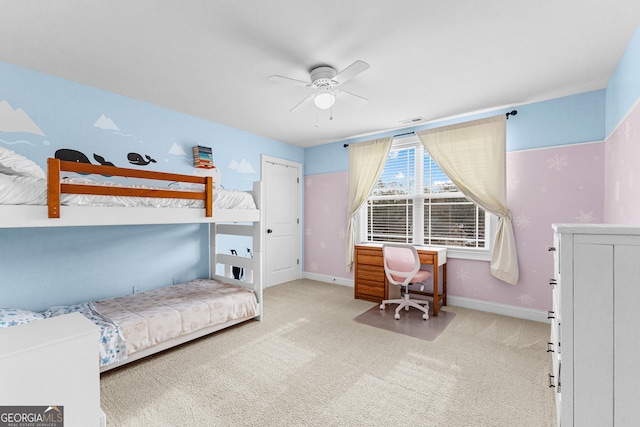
555	347
557	309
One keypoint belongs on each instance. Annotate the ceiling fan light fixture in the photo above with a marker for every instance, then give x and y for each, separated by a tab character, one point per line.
324	99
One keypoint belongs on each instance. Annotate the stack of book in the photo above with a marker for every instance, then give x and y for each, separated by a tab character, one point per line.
202	157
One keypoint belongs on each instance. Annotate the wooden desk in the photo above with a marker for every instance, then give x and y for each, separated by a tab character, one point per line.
371	284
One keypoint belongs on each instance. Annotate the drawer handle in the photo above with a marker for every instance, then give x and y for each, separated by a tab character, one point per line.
550	347
551	314
551	384
551	249
553	282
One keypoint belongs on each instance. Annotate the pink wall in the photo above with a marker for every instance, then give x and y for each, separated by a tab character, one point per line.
559	184
545	186
622	172
325	224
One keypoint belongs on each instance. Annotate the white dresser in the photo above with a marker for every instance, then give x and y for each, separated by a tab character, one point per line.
595	325
53	362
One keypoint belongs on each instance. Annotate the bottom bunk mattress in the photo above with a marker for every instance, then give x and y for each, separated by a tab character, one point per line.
150	318
141	321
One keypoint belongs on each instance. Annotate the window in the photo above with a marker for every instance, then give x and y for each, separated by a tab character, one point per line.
415	202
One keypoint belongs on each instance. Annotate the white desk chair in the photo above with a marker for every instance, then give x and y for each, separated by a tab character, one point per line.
402	267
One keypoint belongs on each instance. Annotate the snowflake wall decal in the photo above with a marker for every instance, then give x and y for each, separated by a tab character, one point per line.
308	232
462	274
557	162
526	299
627	131
522	221
513	182
585	217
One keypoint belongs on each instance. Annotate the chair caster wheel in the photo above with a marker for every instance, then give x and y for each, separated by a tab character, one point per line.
397	316
425	316
381	306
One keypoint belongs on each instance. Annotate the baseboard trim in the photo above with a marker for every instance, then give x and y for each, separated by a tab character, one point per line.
473	304
503	309
328	279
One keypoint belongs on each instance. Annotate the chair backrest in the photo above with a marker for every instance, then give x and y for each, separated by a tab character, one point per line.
401	263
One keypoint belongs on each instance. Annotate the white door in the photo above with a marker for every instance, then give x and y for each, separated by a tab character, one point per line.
281	209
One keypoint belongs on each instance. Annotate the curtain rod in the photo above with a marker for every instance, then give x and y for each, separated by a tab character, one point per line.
510	113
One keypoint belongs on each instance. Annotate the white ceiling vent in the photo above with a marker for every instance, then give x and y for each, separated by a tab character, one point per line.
412	121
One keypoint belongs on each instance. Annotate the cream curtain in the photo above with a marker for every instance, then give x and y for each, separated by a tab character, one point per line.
473	155
366	162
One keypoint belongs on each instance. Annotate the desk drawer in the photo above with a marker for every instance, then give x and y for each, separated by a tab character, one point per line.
426	258
374	290
369	256
372	273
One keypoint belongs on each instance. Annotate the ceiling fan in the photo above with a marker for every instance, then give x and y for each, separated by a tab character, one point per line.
323	81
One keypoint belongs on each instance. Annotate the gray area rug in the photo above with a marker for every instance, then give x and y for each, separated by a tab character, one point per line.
410	323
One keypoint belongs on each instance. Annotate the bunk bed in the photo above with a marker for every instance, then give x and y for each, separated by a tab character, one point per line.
138	325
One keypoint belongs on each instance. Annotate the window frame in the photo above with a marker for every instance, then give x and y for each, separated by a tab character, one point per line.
480	254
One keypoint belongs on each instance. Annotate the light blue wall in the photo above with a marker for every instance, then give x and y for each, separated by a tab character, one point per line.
66	113
623	90
567	120
39	267
42	267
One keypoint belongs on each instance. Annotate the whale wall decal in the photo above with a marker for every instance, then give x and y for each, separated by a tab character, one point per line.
137	159
69	155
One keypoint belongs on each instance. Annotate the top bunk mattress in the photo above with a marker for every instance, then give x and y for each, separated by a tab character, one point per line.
29	197
24	190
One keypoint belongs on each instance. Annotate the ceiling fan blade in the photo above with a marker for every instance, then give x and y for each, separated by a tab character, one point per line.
303	101
339	91
288	80
351	71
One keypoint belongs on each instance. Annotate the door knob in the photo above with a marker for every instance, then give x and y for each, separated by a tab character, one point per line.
269	230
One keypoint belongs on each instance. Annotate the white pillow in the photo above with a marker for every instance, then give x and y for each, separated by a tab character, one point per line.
14	164
17	316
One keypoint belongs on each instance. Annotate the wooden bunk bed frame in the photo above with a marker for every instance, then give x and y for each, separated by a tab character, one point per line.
237	222
55	187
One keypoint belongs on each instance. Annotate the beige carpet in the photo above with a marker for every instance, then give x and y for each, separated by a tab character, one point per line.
308	363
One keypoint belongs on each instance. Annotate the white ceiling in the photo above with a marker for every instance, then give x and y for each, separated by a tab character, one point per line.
430	59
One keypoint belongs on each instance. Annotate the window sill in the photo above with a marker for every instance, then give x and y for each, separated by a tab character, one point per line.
468	254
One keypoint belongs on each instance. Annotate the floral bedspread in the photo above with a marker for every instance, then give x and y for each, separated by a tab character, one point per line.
152	317
113	347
